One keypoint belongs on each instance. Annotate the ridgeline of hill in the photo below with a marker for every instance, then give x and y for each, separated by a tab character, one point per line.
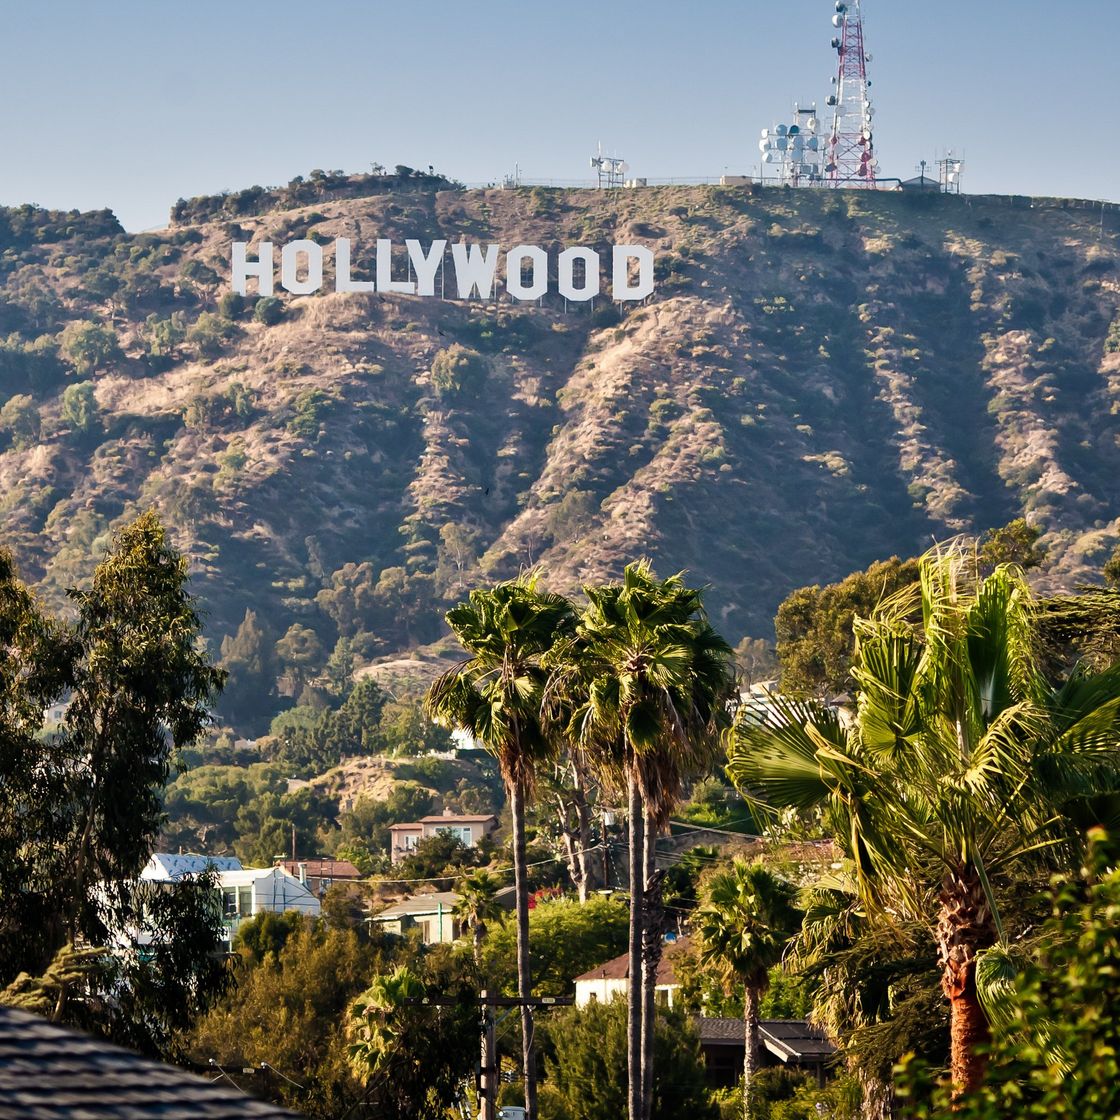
821	379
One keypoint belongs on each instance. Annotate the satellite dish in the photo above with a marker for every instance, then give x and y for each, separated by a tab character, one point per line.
868	58
811	124
794	130
832	99
841	6
783	143
624	167
835	43
781	130
798	142
768	157
837	20
764	145
595	162
765	132
813	143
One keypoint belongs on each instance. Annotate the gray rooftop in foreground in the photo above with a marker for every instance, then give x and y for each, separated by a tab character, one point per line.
789	1039
49	1072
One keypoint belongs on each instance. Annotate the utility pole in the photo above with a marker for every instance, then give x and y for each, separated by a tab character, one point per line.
488	1078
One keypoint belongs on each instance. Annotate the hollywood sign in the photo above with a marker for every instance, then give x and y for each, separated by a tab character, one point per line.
527	270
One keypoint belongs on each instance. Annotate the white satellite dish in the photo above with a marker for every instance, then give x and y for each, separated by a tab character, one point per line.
813	143
764	145
765	132
624	167
811	124
768	157
837	20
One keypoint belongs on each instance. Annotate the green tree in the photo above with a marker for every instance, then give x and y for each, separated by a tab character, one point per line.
1111	571
814	626
586	1062
1055	1050
249	658
648	675
412	1058
85	816
300	653
79	407
496	696
458	370
478	907
210	333
747	917
1013	543
89	347
963	762
20	421
268	311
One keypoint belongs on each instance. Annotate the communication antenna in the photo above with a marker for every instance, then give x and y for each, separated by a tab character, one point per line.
850	151
795	150
512	182
611	169
949	172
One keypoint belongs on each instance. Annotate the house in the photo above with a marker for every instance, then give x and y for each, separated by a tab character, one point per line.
48	1071
606	981
791	1042
432	914
319	874
258	890
470	829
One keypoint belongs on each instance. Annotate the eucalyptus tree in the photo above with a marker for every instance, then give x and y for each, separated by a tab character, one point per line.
962	763
495	694
646	678
745	921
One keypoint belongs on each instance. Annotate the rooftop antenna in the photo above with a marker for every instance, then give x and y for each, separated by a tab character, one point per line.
611	169
796	148
851	158
949	172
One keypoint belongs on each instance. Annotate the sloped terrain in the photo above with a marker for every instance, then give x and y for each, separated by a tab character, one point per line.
821	379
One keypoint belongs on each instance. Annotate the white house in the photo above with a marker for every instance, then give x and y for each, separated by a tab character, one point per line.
469	828
602	983
245	891
258	890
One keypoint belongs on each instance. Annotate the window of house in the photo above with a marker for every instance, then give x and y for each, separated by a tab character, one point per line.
245	901
460	832
229	901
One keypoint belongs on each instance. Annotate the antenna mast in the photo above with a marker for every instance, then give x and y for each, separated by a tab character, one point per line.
851	151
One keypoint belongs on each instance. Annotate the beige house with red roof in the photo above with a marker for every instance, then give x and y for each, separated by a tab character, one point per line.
469	828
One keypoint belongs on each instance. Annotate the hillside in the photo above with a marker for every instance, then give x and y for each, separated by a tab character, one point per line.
820	380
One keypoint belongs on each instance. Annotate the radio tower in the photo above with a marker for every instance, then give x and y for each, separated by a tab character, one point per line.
851	149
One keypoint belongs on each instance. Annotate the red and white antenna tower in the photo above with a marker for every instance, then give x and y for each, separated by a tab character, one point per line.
851	149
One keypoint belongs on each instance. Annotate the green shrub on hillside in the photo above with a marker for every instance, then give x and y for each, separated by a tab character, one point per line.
458	370
89	347
20	421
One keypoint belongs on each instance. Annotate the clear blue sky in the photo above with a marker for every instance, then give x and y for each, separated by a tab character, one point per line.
133	103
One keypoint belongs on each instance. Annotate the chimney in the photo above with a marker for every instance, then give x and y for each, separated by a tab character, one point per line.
447	811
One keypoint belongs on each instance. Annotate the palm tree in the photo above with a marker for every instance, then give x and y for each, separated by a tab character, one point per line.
478	905
645	676
746	918
373	1026
495	695
961	762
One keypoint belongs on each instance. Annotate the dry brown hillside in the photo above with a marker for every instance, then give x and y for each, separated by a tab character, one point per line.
821	379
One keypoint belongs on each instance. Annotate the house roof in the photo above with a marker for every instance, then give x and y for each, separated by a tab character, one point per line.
321	868
619	968
791	1040
420	905
444	818
164	867
50	1072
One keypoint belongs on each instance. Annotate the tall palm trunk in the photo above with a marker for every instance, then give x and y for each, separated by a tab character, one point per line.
524	980
634	985
964	927
651	958
750	1048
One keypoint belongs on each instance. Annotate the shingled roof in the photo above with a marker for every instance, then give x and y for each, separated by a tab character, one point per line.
791	1040
619	967
48	1072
